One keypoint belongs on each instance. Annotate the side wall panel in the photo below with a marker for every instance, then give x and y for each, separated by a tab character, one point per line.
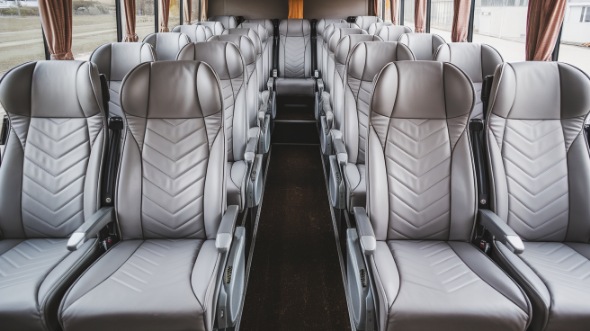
280	8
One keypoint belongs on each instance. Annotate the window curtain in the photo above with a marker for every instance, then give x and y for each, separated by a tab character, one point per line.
460	20
420	16
203	10
544	21
56	18
130	12
393	9
376	7
188	11
164	14
295	8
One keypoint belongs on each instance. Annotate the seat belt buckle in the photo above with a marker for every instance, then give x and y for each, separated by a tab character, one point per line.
4	130
116	123
476	125
275	73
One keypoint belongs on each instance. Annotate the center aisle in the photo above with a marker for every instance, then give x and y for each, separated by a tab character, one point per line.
295	280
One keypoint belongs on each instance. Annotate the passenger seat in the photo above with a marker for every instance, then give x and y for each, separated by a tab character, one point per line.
167	44
50	185
215	27
376	27
228	21
540	179
364	22
294	67
115	60
393	32
423	45
196	33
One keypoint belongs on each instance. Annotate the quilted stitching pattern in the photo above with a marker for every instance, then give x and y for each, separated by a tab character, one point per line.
175	155
295	49
26	264
362	91
418	161
536	168
56	159
228	103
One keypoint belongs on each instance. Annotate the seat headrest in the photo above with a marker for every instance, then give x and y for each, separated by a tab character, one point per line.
365	21
374	28
244	43
250	33
423	45
267	24
190	88
400	91
323	24
295	28
341	33
115	60
476	60
54	89
258	28
368	58
196	33
540	91
393	32
216	27
224	57
166	44
347	43
329	31
228	21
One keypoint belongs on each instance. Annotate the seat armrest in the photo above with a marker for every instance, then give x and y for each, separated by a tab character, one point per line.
270	85
225	233
250	152
91	227
340	150
365	231
500	230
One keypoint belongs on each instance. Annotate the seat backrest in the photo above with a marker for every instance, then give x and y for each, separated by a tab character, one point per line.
226	60
420	172
341	33
167	44
328	32
171	181
393	32
265	61
196	33
343	50
228	21
423	45
115	60
320	27
294	49
53	160
216	27
247	50
540	166
364	63
364	22
258	48
476	60
374	28
267	24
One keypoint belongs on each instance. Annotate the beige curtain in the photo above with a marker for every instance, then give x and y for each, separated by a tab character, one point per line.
188	11
56	18
204	5
164	13
393	10
376	7
544	21
420	16
461	20
295	8
130	12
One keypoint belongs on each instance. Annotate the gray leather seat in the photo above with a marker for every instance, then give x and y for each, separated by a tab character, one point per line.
333	41
196	33
167	44
215	27
253	35
320	27
265	60
294	67
374	28
476	60
421	207
49	186
364	22
171	210
114	61
241	130
393	32
228	21
328	32
363	64
540	180
423	45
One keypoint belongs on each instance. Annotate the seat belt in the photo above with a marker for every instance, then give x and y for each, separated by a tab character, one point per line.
4	135
476	128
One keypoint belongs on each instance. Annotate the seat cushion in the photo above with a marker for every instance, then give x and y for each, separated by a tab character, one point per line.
356	185
34	274
556	277
236	183
145	285
435	285
295	86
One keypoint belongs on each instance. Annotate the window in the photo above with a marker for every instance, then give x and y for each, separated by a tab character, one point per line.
502	24
174	14
145	20
94	23
575	37
409	6
441	18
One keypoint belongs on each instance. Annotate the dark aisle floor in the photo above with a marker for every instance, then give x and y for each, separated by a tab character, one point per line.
295	280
